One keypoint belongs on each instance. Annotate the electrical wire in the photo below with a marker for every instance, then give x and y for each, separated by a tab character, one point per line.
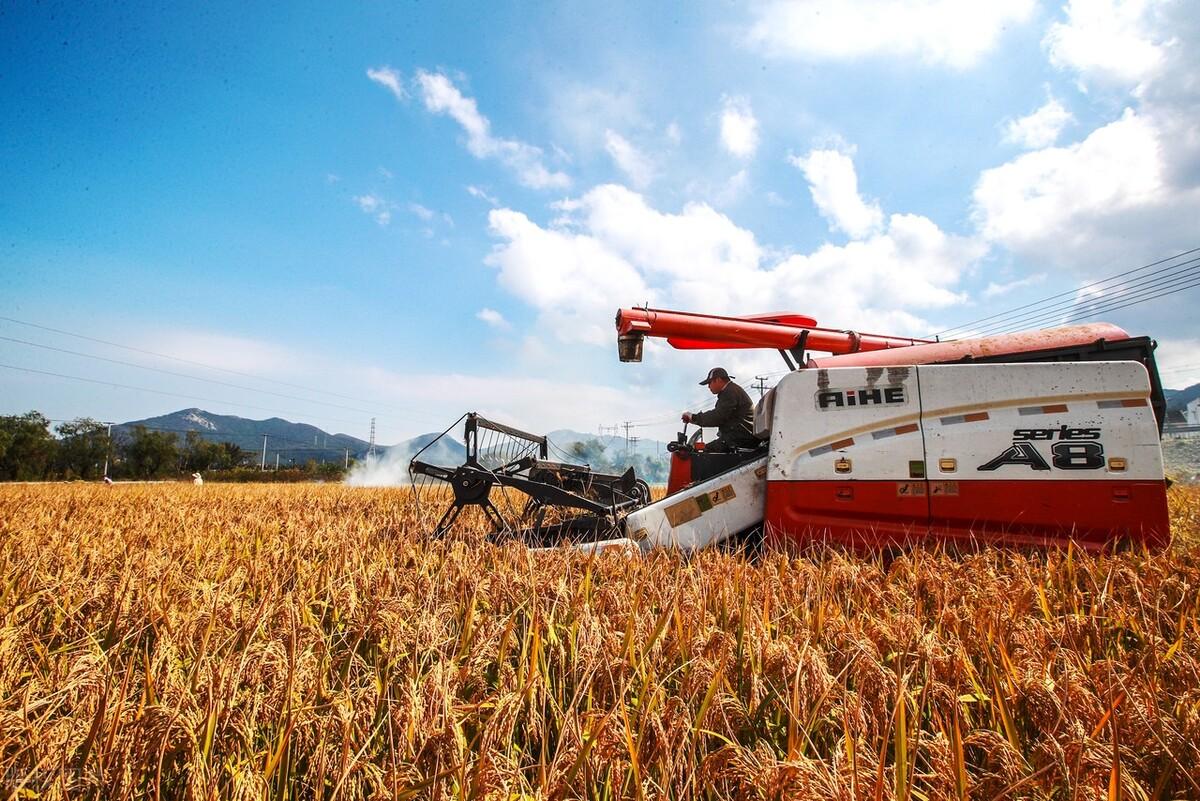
969	325
1185	273
1114	304
163	392
192	362
182	375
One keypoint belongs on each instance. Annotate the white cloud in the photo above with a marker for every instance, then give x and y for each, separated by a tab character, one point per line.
834	186
674	133
1039	129
375	206
956	33
631	161
995	290
493	318
390	79
422	212
1106	41
1107	197
613	249
1178	362
1128	191
739	127
441	96
482	194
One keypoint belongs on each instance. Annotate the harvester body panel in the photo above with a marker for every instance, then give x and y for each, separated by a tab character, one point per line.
1013	454
704	514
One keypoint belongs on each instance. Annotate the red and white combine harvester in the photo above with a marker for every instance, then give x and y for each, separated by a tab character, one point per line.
1030	439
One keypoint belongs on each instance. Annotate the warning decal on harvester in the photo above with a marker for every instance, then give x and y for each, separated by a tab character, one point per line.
906	489
691	508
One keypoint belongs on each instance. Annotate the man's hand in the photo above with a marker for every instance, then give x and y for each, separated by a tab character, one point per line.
687	417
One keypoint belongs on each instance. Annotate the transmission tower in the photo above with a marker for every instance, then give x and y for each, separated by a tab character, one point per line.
371	447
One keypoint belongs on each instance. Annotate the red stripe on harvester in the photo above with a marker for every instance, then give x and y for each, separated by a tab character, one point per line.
907	429
842	443
1134	402
1054	408
975	417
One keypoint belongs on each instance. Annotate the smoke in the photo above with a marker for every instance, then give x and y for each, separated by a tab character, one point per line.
389	470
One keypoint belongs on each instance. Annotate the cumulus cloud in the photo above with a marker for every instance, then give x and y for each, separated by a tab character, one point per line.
1039	129
1107	41
390	79
739	127
631	161
442	97
955	33
612	248
834	186
1129	190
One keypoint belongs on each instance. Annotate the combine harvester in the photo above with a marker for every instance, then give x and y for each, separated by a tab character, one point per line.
1030	439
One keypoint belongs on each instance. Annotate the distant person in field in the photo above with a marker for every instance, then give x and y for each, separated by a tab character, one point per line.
197	479
733	416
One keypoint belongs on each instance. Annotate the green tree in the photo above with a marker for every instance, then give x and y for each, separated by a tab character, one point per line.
150	454
27	448
227	456
198	453
82	447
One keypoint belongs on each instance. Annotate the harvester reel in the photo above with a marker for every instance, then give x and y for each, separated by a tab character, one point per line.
564	502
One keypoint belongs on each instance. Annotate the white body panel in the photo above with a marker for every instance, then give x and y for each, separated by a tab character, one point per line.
868	415
704	514
969	413
1054	409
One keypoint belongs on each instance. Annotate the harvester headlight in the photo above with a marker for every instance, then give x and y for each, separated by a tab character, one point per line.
947	465
1117	464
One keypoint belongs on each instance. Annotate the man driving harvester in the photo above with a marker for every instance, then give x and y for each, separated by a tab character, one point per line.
733	416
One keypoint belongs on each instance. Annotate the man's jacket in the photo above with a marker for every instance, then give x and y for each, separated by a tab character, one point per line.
733	417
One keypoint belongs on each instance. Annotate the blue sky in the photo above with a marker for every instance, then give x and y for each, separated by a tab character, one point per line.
411	210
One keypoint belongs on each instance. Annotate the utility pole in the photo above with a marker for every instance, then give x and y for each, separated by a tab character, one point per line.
263	464
633	441
347	458
371	449
276	461
761	385
628	425
108	450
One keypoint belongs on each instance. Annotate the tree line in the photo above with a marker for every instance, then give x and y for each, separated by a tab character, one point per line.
30	450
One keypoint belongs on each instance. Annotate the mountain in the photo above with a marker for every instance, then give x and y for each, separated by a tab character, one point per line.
1179	398
293	443
447	452
614	446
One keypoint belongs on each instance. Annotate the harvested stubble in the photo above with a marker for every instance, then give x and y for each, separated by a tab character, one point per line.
304	641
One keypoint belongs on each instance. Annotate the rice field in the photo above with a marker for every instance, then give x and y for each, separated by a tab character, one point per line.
302	641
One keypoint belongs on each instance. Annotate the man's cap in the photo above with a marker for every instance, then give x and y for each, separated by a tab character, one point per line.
716	372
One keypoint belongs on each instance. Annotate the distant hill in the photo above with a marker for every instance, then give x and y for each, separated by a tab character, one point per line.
1177	399
292	442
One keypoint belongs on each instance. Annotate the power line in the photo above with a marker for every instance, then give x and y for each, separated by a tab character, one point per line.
1113	304
180	375
187	361
972	323
1181	273
163	392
